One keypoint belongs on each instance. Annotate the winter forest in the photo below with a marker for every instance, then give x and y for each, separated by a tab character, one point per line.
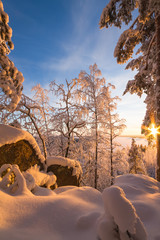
68	167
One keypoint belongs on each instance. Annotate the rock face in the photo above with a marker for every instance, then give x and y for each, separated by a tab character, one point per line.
64	175
20	153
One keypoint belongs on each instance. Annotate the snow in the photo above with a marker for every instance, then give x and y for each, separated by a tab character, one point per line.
130	209
10	78
77	170
10	135
144	193
35	177
121	213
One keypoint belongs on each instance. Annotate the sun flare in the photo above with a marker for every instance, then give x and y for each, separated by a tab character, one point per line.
153	130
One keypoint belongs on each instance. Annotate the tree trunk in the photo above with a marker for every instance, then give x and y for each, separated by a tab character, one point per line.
38	131
96	156
157	24
111	156
68	146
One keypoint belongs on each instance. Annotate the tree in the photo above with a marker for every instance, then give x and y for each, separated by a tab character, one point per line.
136	165
24	116
90	92
10	78
27	108
120	161
99	105
68	116
144	32
113	126
44	112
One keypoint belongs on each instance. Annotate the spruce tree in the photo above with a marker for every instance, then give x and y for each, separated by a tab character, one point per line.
10	78
136	165
143	33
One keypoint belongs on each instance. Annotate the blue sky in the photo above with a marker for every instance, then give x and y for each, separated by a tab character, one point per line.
56	39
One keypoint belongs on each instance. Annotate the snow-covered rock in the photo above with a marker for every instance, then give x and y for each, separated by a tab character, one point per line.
65	162
67	171
10	135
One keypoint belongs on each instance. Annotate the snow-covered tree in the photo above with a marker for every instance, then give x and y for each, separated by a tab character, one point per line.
150	160
120	161
44	112
90	87
101	118
67	119
136	165
26	108
24	116
144	34
10	78
112	124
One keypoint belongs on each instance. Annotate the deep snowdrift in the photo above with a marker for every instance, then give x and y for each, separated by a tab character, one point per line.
128	210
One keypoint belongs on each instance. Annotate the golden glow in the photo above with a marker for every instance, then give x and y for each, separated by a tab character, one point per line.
153	130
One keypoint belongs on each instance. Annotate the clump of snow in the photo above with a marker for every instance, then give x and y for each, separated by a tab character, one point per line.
13	181
12	135
66	162
122	215
39	178
137	184
144	193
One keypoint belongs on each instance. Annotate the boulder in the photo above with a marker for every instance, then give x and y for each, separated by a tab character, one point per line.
67	171
19	147
64	175
20	153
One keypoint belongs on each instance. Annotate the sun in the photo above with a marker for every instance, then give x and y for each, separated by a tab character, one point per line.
153	130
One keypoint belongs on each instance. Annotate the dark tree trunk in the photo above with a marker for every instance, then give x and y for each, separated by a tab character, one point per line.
68	146
96	156
111	156
157	23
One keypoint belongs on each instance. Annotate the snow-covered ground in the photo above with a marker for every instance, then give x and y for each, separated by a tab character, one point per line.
128	210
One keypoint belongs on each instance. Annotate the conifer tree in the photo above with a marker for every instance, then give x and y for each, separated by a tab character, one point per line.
10	78
144	32
136	165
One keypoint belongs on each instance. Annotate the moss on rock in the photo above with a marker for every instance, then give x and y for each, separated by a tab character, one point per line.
64	175
20	153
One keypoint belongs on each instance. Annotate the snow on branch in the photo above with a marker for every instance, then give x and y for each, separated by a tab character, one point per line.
10	78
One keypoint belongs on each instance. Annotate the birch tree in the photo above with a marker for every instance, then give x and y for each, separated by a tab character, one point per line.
90	87
44	112
144	32
113	125
67	119
99	105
